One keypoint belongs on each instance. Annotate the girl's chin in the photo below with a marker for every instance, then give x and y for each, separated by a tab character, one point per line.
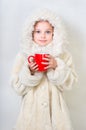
42	43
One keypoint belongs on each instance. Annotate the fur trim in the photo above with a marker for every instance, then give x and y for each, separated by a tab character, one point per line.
59	38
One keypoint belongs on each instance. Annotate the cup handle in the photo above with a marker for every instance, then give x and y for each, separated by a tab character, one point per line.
30	58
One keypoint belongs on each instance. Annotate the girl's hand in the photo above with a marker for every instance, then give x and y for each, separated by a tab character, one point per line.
33	67
50	62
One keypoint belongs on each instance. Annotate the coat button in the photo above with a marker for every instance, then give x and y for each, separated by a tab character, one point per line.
45	104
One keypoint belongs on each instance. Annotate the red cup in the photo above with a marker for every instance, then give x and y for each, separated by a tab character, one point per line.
38	58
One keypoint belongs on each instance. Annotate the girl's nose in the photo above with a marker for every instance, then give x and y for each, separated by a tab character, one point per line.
43	35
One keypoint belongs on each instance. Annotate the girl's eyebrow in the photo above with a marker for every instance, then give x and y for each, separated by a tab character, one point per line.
36	29
45	30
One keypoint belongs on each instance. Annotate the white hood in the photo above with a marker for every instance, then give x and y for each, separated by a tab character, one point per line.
59	38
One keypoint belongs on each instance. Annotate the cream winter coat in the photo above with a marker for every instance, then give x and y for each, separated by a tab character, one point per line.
43	107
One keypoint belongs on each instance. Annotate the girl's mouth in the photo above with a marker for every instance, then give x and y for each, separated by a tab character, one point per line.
42	40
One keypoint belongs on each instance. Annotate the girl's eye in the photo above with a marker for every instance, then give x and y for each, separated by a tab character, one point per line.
37	31
48	32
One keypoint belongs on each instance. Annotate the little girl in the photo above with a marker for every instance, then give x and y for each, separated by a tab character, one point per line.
43	107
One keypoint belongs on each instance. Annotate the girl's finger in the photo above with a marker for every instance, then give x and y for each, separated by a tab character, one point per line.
45	63
48	56
46	59
47	67
33	64
35	67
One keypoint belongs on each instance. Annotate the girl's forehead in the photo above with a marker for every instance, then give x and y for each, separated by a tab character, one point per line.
41	23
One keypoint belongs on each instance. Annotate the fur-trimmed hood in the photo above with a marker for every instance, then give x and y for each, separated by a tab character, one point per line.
59	39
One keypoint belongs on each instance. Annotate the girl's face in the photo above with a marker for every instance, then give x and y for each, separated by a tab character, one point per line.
43	33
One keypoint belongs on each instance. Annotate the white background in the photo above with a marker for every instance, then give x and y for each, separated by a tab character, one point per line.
12	16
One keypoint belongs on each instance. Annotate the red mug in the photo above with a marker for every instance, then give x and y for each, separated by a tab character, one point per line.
38	58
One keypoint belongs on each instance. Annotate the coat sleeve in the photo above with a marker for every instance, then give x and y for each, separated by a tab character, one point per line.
21	78
64	75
